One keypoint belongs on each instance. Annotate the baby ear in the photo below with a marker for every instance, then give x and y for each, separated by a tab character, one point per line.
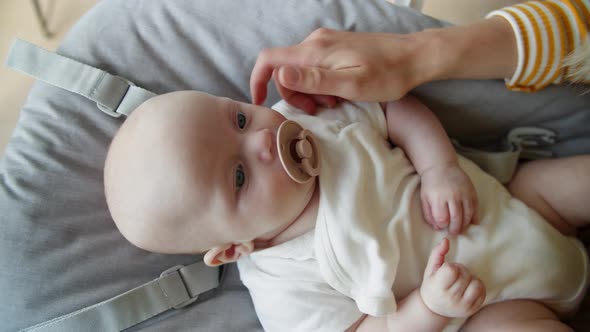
227	253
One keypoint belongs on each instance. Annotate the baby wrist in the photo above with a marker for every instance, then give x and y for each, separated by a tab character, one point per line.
439	165
426	305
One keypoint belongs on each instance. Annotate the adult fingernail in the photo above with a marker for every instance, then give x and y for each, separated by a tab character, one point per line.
289	75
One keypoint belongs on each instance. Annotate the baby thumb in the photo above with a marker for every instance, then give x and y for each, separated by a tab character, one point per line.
437	257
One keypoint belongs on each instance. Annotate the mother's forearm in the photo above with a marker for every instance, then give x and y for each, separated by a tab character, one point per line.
485	49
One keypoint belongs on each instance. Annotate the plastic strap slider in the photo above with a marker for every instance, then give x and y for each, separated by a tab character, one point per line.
175	289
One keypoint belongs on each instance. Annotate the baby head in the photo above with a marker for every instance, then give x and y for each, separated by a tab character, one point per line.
189	172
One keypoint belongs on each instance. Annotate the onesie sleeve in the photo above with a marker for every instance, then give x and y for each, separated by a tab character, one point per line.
369	113
551	38
292	297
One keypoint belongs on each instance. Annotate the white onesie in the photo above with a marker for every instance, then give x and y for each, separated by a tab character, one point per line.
370	244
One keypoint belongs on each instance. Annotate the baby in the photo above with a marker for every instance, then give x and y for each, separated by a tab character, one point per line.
351	248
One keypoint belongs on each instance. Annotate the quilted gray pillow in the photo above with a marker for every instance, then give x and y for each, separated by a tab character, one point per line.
59	249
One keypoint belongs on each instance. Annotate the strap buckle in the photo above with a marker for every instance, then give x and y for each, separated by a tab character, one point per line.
175	270
532	140
113	95
108	110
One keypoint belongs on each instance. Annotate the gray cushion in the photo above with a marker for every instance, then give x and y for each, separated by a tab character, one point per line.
60	251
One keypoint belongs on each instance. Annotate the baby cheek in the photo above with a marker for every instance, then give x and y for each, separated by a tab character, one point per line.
281	191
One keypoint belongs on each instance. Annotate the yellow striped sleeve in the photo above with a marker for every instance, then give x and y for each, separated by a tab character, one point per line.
546	33
577	61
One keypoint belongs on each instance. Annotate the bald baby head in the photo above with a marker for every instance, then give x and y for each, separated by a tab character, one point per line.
149	183
188	172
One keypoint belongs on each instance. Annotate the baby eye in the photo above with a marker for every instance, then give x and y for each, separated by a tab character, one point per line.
241	118
240	177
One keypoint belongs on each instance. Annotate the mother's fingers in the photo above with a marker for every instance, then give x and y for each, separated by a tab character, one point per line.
297	99
268	60
325	100
306	102
328	80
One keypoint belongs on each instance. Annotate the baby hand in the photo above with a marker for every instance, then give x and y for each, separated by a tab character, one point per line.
449	289
448	198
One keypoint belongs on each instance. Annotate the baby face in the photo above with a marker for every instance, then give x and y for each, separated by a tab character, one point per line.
215	174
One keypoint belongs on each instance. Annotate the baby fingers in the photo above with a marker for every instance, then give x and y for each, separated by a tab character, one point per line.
468	213
440	213
456	213
427	213
437	258
463	280
475	294
447	275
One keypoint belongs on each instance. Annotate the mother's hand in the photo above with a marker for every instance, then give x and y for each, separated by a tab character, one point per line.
361	66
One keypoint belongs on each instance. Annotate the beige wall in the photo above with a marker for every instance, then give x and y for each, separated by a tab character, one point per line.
18	20
463	11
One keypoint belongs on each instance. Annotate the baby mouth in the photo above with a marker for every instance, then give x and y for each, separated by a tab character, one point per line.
298	152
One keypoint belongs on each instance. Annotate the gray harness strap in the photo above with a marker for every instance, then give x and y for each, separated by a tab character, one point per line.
113	95
176	287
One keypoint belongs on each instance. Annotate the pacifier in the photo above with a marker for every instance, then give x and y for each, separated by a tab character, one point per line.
298	151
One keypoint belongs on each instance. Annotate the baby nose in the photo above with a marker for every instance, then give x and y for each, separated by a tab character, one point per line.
262	145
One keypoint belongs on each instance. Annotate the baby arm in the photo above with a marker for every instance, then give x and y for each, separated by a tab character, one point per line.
411	315
448	196
448	290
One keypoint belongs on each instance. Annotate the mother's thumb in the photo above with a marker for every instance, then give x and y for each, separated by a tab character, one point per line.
289	76
312	80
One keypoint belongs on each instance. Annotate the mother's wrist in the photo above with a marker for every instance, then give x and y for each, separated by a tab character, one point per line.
485	49
433	59
408	61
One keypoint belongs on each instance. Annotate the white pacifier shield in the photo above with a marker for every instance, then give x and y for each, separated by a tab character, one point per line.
298	152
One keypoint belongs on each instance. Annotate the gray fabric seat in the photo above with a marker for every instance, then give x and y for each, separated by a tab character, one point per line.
59	249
